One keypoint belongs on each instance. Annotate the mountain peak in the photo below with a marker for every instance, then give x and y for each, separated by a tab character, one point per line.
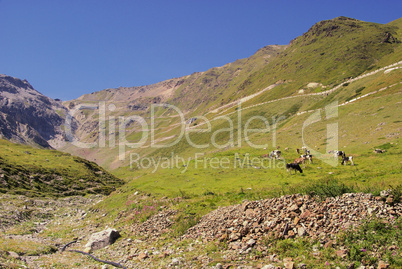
35	118
330	27
366	32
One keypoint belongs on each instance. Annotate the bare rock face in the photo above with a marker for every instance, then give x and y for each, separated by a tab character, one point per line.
29	117
102	239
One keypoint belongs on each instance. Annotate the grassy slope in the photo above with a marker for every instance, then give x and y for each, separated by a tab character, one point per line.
377	123
221	85
206	185
38	172
330	52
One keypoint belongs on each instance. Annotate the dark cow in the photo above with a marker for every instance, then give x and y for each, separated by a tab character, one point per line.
347	159
294	166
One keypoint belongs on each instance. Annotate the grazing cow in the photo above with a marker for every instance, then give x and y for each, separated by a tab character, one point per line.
294	166
275	154
347	159
298	151
338	153
300	160
308	157
379	150
265	155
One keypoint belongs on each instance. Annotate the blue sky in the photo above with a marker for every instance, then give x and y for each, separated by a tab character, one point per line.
66	48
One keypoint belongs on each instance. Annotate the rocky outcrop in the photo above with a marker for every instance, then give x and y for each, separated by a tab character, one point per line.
29	117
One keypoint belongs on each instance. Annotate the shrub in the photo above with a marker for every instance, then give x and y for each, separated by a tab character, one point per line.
330	188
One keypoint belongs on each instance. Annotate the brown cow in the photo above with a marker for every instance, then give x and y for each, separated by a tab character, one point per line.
300	160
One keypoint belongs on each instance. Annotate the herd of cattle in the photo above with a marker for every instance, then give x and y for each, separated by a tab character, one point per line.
295	165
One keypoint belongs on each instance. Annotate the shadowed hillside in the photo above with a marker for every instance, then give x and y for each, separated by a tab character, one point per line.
40	172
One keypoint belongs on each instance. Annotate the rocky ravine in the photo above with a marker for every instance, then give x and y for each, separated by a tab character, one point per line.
244	228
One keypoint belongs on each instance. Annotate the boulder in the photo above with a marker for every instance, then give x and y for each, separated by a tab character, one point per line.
382	265
102	239
13	254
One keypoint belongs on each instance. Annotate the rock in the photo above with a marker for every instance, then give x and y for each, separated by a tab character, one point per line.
245	205
175	262
235	246
305	214
102	239
273	258
371	210
313	85
143	256
250	213
301	231
382	265
218	266
289	265
384	193
329	244
291	234
223	237
13	254
342	253
393	247
251	242
269	266
234	236
389	200
293	207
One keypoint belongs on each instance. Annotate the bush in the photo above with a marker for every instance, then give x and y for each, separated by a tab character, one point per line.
330	188
397	193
